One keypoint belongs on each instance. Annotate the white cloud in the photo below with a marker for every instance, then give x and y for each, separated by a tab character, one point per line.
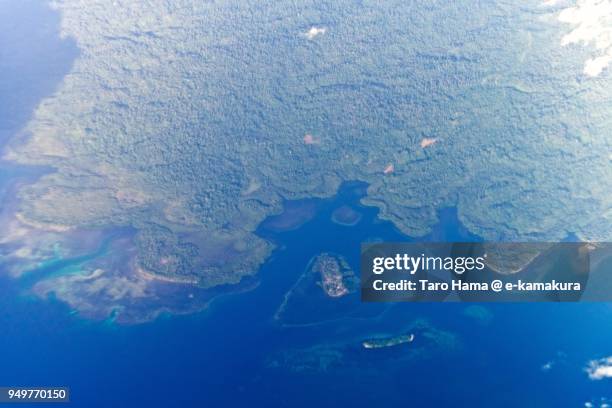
594	66
600	369
315	31
592	26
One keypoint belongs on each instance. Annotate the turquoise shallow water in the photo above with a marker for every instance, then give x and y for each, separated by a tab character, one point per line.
224	354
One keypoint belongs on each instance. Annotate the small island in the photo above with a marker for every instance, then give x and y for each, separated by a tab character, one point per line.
388	341
337	278
327	290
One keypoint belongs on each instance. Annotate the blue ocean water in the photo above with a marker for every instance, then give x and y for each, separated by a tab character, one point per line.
221	355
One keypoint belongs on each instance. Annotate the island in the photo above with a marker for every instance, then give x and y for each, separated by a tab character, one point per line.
337	278
388	341
326	290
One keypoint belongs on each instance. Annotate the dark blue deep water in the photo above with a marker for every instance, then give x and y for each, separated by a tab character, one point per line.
222	355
